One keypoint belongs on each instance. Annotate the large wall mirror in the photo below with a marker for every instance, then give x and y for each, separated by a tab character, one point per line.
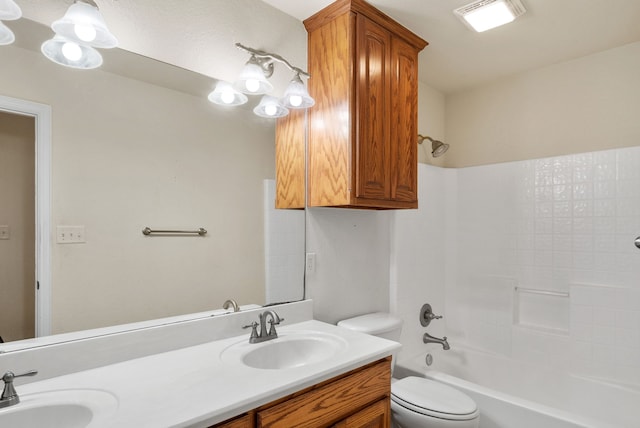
136	144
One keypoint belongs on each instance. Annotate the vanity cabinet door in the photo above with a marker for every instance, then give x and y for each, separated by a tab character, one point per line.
245	421
335	401
377	415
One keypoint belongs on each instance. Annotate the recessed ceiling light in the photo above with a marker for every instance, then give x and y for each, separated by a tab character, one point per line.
484	15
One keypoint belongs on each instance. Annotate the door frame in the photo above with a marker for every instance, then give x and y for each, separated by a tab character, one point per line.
42	115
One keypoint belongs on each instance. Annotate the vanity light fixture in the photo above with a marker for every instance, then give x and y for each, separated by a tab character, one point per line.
253	80
78	33
270	108
9	11
225	94
484	15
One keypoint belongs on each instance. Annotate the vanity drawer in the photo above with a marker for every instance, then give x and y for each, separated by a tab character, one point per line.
244	421
332	401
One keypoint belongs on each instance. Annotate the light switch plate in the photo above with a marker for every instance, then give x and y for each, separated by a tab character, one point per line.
70	235
5	232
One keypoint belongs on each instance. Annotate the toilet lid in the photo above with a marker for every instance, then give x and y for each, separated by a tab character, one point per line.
433	398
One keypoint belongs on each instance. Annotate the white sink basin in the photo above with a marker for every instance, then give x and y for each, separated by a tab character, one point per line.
289	350
76	408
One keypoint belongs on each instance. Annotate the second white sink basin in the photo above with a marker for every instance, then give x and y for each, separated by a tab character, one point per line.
59	409
290	350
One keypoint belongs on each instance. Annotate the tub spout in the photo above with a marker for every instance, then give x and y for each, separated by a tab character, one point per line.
427	338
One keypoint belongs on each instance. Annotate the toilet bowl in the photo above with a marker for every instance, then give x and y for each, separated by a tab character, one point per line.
418	402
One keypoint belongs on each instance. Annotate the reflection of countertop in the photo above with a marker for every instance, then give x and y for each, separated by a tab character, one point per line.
192	386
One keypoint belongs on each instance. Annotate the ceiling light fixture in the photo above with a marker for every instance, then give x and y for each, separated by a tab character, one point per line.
484	15
78	32
253	80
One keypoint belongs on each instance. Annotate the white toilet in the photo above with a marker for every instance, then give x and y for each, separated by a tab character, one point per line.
418	402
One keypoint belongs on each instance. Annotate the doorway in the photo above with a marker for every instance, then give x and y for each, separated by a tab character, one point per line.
17	227
25	195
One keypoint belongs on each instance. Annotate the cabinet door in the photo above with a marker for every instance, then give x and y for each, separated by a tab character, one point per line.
372	148
377	415
404	121
245	421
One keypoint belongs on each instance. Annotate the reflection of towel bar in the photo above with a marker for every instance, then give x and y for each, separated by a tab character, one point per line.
149	231
543	292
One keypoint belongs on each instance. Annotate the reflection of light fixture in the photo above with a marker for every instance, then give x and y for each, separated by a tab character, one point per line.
437	147
296	95
83	23
226	95
9	10
269	107
70	54
6	35
253	81
78	32
487	14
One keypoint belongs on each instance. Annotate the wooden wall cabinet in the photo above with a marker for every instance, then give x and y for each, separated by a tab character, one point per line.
362	132
358	399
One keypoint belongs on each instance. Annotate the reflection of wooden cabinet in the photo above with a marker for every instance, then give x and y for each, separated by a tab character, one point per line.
290	132
362	136
358	399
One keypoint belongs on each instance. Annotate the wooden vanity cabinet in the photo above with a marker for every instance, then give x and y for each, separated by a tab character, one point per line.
362	132
358	399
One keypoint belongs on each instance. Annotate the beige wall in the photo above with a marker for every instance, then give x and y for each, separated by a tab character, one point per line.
431	106
591	103
126	155
17	211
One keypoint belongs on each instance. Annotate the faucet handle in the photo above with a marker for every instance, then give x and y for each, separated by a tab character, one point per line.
427	315
9	395
254	330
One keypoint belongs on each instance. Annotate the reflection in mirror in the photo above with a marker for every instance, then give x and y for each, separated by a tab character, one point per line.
136	144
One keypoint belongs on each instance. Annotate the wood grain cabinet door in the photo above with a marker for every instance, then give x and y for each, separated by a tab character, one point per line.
373	151
377	415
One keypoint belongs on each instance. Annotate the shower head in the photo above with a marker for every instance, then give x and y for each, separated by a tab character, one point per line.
438	148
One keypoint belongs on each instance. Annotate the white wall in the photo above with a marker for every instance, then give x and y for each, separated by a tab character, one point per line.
587	104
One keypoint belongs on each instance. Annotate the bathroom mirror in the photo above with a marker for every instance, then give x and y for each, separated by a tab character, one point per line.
137	144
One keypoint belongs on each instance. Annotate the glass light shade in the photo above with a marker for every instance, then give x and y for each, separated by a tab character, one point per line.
70	54
9	10
6	35
296	95
252	79
224	94
84	24
490	16
270	108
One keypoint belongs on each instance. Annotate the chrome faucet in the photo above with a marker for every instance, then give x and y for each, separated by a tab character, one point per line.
231	304
426	316
427	338
9	395
264	335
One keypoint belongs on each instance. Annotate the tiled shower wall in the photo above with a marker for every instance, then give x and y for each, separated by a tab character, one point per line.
542	261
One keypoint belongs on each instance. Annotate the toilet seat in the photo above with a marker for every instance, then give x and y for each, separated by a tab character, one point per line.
434	399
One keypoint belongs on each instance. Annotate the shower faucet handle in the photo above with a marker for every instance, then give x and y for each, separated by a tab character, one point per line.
426	315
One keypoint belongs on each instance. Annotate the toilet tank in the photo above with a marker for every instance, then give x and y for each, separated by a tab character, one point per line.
379	324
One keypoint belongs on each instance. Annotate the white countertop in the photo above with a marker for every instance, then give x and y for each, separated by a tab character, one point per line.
193	387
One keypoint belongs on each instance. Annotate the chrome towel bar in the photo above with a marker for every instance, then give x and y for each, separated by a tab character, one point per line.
148	231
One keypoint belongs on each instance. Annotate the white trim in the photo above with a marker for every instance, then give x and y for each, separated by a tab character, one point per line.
42	115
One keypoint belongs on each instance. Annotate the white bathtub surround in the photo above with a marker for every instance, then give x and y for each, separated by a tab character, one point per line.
540	266
194	387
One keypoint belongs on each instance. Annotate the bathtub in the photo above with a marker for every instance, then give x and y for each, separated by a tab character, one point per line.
512	394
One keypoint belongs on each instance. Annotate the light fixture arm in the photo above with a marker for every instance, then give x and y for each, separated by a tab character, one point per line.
89	2
266	60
